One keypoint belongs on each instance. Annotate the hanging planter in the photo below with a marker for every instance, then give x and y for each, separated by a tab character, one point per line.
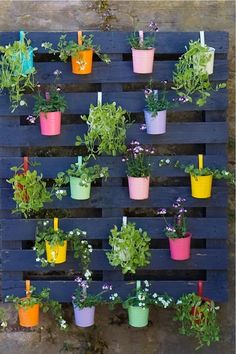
26	56
29	317
201	186
138	187
155	124
56	253
84	317
138	316
207	64
50	123
78	190
180	247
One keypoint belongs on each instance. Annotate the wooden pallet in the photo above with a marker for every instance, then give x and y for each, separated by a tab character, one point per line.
208	135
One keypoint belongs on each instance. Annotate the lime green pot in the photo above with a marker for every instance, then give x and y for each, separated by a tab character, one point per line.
138	316
77	191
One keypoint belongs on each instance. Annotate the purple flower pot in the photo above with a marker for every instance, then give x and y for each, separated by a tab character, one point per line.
155	124
84	317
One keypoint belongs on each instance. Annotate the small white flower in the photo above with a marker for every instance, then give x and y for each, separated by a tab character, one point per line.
167	161
45	223
115	295
22	103
217	307
84	233
34	248
37	259
154	295
146	283
140	304
43	45
4	324
179	302
146	289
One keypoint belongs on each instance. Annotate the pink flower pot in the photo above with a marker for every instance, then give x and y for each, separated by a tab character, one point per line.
143	60
155	124
138	187
84	317
50	123
180	247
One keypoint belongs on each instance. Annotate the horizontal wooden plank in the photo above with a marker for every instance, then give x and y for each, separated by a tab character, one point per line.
212	259
117	197
116	42
177	133
63	290
116	167
201	228
132	101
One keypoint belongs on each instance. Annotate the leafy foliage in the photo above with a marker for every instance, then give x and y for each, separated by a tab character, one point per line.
198	319
3	319
129	248
12	77
191	77
137	160
106	130
155	101
76	238
147	43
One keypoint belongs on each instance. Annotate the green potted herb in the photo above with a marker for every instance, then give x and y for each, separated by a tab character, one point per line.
143	48
138	170
28	307
189	78
53	241
155	110
16	70
50	107
129	248
107	126
179	237
138	303
81	53
80	176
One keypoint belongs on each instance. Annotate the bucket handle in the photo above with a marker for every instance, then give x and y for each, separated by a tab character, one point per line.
200	288
200	161
27	288
80	37
55	224
22	36
202	38
26	163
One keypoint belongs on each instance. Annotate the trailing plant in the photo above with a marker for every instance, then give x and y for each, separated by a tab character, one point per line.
86	174
198	319
67	49
137	160
107	126
76	238
82	298
190	76
129	248
12	77
147	42
155	101
3	319
44	302
179	229
30	191
205	171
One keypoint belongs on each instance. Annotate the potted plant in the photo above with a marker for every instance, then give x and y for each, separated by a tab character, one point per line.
138	170
138	303
129	248
81	53
190	78
53	241
84	304
30	192
50	108
201	177
198	318
179	237
80	176
143	48
107	126
28	307
155	111
16	70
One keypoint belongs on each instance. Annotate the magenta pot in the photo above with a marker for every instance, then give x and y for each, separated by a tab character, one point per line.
180	247
138	187
84	317
143	60
155	124
50	123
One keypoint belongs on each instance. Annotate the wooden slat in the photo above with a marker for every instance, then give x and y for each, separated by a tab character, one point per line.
117	197
116	42
213	259
177	133
98	228
132	101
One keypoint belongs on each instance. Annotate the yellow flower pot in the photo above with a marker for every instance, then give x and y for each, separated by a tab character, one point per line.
56	253
201	186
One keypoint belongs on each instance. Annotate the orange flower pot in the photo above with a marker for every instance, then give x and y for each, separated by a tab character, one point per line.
82	63
29	317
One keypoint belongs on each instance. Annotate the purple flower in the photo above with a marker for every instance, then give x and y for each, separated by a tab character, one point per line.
57	72
143	127
180	200
176	205
31	119
78	280
161	211
153	26
147	92
170	228
107	287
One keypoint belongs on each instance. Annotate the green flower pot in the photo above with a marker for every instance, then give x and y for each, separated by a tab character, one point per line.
138	316
77	191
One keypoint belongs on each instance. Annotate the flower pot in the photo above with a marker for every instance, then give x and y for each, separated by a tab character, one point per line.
208	68
155	124
143	60
138	187
138	316
77	191
201	186
84	317
180	248
56	253
82	63
50	123
29	317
